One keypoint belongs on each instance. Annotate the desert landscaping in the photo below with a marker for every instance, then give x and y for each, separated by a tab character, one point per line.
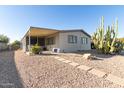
109	63
21	70
63	58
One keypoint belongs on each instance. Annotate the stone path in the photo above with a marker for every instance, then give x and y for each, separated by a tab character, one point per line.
97	72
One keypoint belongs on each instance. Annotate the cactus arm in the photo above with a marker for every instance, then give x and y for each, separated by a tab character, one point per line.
114	37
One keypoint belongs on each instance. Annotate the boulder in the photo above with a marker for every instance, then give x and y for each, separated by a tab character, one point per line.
91	57
29	53
87	56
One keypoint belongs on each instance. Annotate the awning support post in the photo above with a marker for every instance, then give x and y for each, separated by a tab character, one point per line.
29	42
37	39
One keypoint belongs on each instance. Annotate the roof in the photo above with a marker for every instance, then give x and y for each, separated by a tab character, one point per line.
70	30
42	28
73	30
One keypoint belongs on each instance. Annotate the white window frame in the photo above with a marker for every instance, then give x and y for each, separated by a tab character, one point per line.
84	40
51	41
72	39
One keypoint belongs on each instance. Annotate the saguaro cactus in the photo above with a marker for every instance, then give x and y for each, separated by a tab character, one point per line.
98	37
114	36
105	42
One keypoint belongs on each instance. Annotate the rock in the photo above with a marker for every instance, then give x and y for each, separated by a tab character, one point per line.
29	53
87	56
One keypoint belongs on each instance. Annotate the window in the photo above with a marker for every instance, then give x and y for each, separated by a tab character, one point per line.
72	39
50	41
84	40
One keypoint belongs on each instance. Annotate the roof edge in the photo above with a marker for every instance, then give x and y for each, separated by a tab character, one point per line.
73	30
26	33
43	28
31	27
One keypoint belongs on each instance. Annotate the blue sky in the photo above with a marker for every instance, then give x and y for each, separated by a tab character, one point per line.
16	20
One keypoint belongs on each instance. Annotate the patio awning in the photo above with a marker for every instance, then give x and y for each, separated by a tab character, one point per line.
35	31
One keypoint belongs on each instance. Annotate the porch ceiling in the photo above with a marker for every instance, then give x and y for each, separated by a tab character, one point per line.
41	32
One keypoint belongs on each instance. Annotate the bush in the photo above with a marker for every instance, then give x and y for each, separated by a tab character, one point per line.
36	49
122	40
118	46
15	45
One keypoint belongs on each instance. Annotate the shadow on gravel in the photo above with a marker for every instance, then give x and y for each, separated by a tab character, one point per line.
9	76
97	54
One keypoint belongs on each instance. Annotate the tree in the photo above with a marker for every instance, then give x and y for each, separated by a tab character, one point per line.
4	39
15	45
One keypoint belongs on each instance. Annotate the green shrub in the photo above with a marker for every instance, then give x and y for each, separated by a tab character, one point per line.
122	40
118	46
36	49
15	45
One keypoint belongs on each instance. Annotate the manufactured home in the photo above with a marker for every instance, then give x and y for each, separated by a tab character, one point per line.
65	40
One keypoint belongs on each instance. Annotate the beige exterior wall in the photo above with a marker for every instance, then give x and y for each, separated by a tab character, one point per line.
67	47
56	45
61	41
23	44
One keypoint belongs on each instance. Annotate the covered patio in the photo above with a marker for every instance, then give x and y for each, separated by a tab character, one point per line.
38	36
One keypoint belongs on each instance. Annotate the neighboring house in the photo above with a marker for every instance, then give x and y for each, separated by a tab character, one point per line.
65	40
3	46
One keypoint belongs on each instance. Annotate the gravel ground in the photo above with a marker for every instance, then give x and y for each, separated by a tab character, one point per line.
44	71
113	64
9	76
